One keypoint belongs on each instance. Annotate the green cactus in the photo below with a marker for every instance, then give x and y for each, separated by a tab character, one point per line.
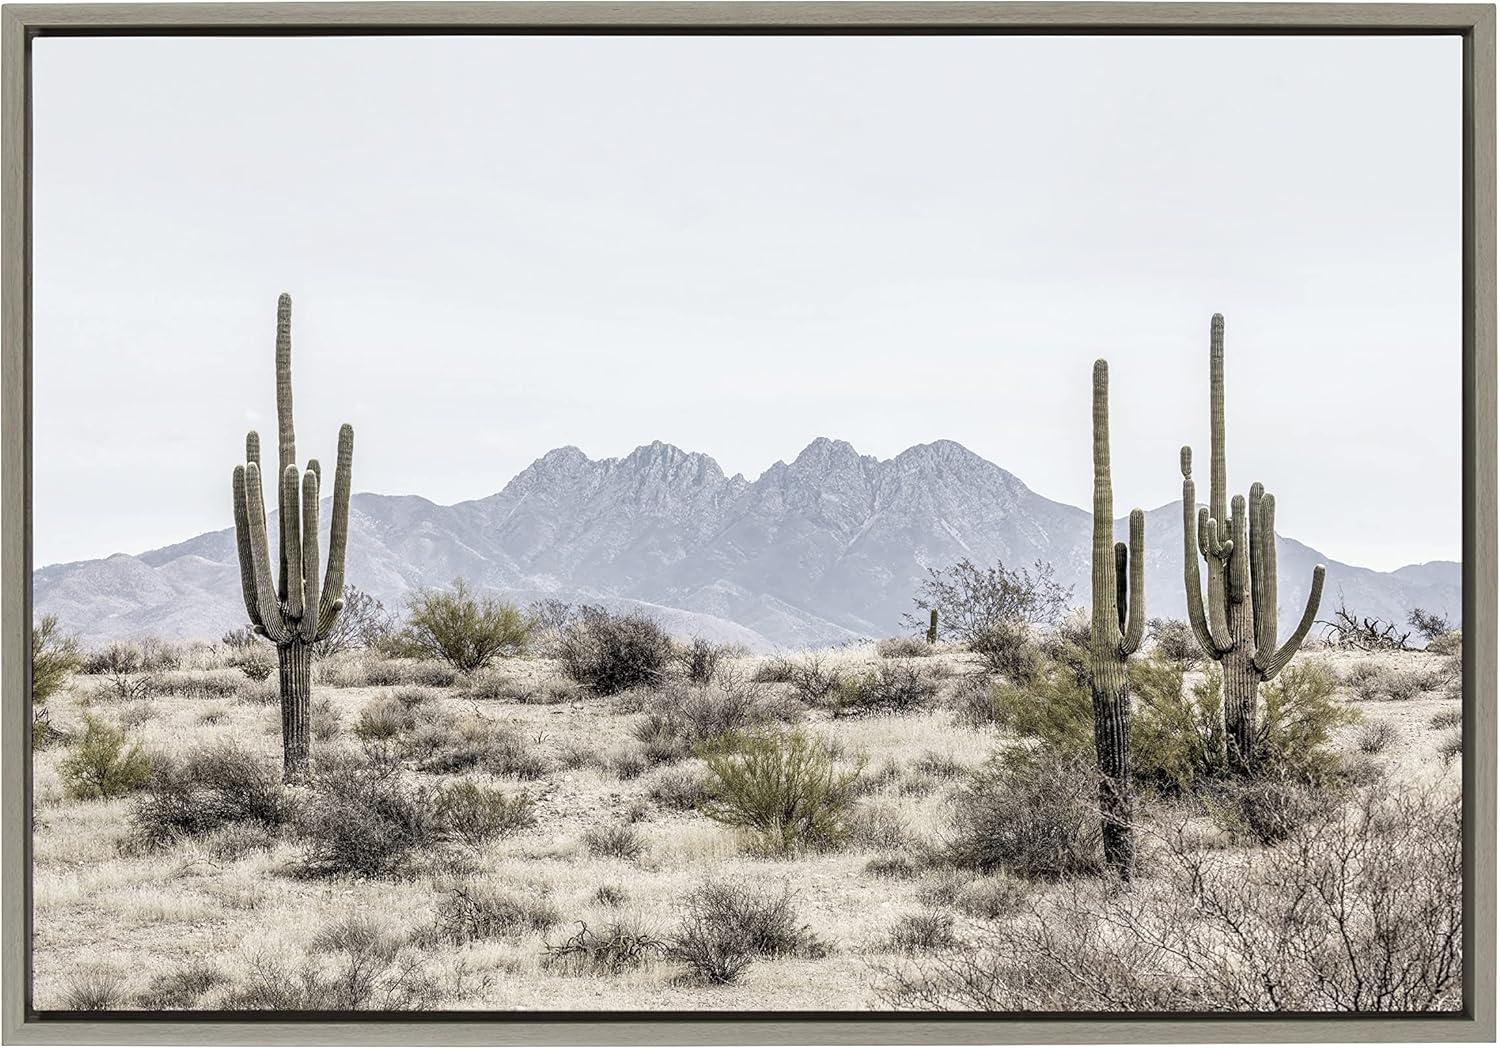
1117	626
932	620
293	610
1240	634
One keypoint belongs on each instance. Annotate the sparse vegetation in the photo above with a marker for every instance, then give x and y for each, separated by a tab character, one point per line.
785	789
461	628
104	764
55	656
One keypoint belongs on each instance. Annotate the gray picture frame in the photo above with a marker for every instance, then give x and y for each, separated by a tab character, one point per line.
1474	23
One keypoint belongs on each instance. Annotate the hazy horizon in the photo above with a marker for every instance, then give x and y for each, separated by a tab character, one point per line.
499	246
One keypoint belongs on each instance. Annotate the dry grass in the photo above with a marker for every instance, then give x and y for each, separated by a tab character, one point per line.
201	920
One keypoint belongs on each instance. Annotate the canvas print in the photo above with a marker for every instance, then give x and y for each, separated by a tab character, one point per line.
694	523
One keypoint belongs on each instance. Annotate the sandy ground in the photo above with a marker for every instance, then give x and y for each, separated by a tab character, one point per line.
133	916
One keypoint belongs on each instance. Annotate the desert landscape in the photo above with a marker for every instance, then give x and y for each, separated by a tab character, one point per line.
601	817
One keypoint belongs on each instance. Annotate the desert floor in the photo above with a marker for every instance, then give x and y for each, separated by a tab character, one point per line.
107	916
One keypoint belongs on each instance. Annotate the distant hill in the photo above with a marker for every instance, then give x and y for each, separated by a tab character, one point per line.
828	547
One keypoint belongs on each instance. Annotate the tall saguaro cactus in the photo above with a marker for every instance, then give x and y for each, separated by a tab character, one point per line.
291	608
1236	623
1115	632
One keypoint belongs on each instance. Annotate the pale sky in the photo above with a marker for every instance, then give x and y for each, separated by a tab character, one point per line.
497	246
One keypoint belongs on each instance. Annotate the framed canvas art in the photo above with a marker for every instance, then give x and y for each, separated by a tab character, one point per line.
711	523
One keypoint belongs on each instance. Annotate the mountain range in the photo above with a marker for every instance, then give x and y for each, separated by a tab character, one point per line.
827	548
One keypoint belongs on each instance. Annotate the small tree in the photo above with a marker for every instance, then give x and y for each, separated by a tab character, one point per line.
463	630
54	656
363	624
1431	625
978	601
104	764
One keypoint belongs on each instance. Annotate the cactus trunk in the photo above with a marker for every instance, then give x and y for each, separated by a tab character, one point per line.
932	621
1115	632
295	658
291	608
1236	623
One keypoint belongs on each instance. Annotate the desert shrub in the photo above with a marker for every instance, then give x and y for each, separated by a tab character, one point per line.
813	682
364	820
970	699
1268	808
257	662
684	717
1397	686
384	718
608	653
496	687
388	673
903	648
351	965
785	789
260	693
45	732
725	927
463	630
1009	648
1451	746
473	911
55	656
117	657
103	764
777	670
95	989
611	895
1174	641
1052	706
138	714
1031	813
1450	718
1176	736
197	684
1359	910
1299	714
618	840
213	786
323	720
475	814
448	745
892	688
700	659
922	933
873	826
181	988
892	865
972	600
681	787
987	899
628	763
1376	737
1447	644
617	947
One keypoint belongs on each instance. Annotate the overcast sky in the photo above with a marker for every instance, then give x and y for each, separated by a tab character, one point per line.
497	246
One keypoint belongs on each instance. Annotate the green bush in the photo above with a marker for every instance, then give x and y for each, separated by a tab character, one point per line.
1176	737
102	765
474	814
55	656
784	788
1053	706
463	630
1299	714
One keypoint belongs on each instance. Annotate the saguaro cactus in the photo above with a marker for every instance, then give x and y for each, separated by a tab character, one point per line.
1116	629
291	609
932	623
1236	624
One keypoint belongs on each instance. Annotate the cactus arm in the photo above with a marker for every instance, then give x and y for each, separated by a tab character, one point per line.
242	544
1191	547
1257	573
1122	579
1135	625
271	619
1266	614
308	626
332	599
1105	604
1217	485
291	540
285	434
1217	567
1285	653
1239	551
1202	514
